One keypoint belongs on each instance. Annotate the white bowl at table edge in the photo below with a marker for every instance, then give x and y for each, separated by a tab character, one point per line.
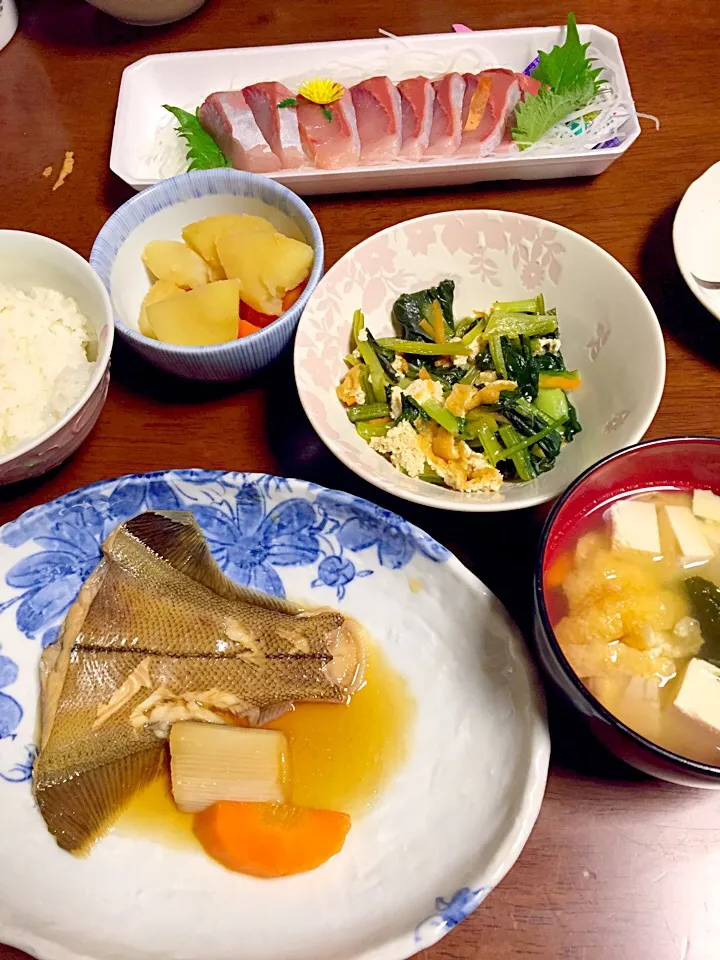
58	442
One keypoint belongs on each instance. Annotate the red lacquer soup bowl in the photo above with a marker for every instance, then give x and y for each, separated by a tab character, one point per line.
672	463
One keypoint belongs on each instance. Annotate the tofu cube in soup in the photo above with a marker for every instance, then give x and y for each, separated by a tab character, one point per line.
635	526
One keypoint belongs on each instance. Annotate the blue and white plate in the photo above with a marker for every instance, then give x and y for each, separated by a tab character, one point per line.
440	837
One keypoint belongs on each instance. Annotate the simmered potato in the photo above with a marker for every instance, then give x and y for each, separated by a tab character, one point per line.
207	315
202	236
160	290
174	261
266	264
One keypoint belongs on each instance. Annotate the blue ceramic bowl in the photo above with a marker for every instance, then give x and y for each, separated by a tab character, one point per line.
160	213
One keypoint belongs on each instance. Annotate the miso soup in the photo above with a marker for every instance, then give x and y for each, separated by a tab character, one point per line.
634	600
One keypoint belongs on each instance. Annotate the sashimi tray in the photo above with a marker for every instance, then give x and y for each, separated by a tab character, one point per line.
146	147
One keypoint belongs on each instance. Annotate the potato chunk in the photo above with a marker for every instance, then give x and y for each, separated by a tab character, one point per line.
174	261
202	236
202	317
266	264
160	290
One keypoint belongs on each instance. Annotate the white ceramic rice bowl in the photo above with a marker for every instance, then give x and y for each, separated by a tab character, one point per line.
31	260
608	327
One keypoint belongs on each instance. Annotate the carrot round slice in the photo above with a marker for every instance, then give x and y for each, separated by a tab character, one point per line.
270	839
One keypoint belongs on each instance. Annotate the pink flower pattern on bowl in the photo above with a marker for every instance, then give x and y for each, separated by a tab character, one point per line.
491	255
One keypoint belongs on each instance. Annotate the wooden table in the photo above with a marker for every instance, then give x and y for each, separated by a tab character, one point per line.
618	867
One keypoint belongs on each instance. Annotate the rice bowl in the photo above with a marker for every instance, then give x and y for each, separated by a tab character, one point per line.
45	348
53	394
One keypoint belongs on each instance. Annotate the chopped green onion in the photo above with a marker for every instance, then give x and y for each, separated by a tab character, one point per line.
453	348
368	411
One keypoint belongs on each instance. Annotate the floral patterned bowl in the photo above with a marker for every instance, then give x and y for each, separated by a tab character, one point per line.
30	260
438	838
608	327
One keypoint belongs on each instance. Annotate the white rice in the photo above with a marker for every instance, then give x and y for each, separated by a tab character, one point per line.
44	365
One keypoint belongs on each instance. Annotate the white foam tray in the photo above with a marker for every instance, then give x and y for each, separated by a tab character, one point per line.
185	79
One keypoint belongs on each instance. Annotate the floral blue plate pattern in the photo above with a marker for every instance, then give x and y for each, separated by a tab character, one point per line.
287	538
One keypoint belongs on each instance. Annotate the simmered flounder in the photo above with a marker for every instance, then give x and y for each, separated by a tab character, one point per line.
159	634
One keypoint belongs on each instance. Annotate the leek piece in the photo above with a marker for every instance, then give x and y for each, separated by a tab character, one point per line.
211	762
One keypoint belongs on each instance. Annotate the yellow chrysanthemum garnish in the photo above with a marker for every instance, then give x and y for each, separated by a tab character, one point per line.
321	91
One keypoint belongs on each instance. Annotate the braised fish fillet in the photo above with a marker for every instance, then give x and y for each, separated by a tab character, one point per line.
159	634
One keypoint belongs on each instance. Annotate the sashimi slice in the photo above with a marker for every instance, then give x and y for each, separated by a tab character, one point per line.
528	84
230	122
379	120
446	130
417	98
332	143
278	125
481	137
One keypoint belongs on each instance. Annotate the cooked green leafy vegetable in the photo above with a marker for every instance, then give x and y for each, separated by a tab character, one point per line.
413	312
368	411
466	403
705	603
569	82
424	347
202	151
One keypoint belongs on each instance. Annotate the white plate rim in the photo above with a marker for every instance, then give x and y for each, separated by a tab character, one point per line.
700	293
